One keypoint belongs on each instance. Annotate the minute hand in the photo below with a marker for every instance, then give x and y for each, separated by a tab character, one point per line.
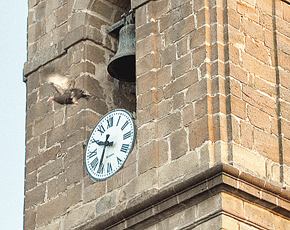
103	153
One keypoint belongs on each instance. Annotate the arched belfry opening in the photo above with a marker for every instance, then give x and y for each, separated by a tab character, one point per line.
122	65
102	16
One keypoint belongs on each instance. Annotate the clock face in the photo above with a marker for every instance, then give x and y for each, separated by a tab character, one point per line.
110	144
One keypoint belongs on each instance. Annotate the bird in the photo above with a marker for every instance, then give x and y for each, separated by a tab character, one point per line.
67	94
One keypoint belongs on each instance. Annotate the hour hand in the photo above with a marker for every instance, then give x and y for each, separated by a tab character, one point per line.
109	143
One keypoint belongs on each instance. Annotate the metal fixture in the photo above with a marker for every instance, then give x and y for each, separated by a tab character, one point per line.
123	65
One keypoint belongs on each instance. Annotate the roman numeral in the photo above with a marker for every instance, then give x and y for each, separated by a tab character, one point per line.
127	135
119	161
118	121
109	167
110	122
124	126
94	163
92	154
124	148
101	129
101	169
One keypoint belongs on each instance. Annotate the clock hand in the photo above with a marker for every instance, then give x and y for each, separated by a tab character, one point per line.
103	153
103	143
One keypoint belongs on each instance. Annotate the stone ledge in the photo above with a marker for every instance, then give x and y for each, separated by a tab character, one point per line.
153	205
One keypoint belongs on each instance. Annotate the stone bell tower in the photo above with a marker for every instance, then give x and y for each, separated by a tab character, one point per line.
212	105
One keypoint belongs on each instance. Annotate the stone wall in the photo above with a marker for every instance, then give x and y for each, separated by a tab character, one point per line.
211	114
258	37
68	38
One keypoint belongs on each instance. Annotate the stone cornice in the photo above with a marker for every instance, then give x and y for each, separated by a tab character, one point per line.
153	204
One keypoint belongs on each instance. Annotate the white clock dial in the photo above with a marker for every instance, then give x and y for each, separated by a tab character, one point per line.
109	145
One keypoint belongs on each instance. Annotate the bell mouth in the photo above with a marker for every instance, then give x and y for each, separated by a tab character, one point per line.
123	68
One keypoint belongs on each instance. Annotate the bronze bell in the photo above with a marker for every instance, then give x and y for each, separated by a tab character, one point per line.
123	65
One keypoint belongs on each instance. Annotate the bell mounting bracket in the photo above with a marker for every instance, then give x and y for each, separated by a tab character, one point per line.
126	19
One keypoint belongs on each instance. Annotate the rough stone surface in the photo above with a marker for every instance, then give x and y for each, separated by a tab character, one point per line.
211	89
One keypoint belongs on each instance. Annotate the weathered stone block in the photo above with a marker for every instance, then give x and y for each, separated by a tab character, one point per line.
178	168
168	55
44	125
145	46
179	30
197	91
259	215
247	137
41	159
130	171
146	64
145	30
169	124
145	99
164	76
181	66
29	219
259	100
147	157
114	182
50	170
74	195
95	54
198	132
35	196
77	216
232	205
103	9
56	135
248	160
271	150
75	172
145	115
50	210
32	148
210	205
146	133
164	108
197	38
258	118
31	180
178	144
143	182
